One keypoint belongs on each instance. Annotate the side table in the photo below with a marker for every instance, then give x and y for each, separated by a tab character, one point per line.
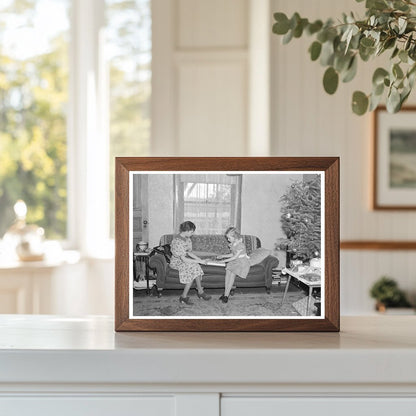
310	284
141	257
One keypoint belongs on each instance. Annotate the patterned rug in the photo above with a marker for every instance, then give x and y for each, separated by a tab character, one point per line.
245	302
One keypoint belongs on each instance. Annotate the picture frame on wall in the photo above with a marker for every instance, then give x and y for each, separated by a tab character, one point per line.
227	244
394	150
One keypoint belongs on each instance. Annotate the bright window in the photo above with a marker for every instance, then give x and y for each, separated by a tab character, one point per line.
33	112
129	45
75	87
212	202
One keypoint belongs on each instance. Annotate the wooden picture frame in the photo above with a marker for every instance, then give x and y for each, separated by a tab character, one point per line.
326	168
394	158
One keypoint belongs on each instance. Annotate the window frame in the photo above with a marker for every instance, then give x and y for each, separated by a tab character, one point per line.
179	201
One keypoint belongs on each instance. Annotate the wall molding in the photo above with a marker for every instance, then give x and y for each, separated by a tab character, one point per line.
378	245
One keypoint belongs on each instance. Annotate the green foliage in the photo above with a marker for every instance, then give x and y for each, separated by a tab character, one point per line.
389	25
34	103
33	96
301	218
386	291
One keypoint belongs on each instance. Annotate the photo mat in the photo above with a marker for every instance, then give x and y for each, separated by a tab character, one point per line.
394	176
214	201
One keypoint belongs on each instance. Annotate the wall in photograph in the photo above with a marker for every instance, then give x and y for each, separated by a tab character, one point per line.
261	206
260	200
160	207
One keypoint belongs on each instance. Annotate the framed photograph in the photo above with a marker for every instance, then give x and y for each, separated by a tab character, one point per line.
227	244
394	180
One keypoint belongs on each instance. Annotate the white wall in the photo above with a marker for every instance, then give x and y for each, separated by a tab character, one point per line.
204	88
160	207
204	78
308	122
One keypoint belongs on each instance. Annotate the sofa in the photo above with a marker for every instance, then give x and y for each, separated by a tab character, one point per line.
207	246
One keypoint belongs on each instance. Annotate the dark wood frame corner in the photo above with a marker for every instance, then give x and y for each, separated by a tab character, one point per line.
329	165
375	205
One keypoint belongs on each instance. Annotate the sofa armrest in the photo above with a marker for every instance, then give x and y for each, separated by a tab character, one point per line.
269	263
159	263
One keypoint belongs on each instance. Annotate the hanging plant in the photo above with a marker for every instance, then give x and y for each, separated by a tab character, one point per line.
389	27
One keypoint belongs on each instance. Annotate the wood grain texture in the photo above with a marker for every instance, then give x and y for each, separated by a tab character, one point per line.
330	165
378	245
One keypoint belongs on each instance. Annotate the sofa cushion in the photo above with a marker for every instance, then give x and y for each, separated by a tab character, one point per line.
214	243
258	255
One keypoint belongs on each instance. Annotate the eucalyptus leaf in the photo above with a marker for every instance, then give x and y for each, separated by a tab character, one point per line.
402	22
298	30
281	26
315	50
294	21
403	56
408	42
374	102
389	43
341	62
314	27
350	73
327	53
379	75
366	53
359	103
378	89
376	4
393	101
395	52
397	71
330	80
404	96
339	44
288	37
367	42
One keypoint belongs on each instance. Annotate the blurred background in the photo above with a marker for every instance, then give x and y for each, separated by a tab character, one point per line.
83	81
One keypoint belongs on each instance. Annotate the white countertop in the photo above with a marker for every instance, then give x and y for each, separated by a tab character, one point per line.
52	349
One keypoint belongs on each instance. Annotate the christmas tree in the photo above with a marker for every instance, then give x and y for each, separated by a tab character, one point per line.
301	218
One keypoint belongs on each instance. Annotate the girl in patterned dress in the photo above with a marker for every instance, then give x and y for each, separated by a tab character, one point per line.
237	262
187	262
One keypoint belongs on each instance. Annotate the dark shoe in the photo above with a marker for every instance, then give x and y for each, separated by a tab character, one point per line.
224	299
186	300
232	291
203	295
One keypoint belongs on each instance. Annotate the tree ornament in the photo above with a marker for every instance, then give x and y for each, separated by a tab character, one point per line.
301	218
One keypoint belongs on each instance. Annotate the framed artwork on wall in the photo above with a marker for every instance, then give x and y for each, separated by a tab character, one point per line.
197	244
394	178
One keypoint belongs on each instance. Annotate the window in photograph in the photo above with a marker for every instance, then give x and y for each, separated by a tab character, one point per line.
129	56
33	103
211	201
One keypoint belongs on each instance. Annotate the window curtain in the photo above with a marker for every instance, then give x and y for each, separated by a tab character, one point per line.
211	201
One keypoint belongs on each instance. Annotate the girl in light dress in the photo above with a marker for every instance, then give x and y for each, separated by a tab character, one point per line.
237	262
184	260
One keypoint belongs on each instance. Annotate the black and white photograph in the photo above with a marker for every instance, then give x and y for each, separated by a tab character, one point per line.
226	244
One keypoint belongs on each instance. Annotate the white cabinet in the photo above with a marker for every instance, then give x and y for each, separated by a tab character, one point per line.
80	366
322	406
88	406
